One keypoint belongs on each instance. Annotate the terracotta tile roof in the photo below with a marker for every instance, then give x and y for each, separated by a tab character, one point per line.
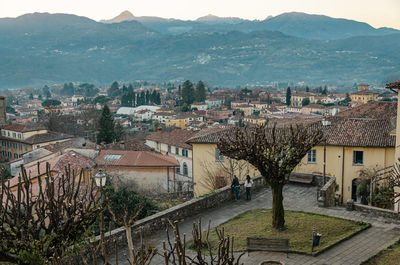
134	159
129	145
314	106
176	137
58	164
23	127
364	92
208	136
373	110
47	137
361	133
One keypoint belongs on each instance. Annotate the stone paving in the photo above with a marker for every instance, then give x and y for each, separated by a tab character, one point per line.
383	233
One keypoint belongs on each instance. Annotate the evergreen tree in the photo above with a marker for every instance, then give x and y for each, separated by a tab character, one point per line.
305	102
30	96
200	92
124	89
106	127
188	95
113	91
130	87
158	99
288	96
119	132
147	97
153	97
46	91
68	89
307	89
40	96
325	90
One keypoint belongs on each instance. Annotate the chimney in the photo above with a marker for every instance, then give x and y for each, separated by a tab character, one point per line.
122	145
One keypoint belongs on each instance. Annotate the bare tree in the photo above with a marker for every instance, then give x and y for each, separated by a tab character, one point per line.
219	174
275	152
174	252
42	219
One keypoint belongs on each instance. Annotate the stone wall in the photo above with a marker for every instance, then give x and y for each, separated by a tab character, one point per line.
327	193
159	221
375	211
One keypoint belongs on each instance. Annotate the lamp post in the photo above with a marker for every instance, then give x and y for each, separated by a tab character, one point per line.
325	123
101	180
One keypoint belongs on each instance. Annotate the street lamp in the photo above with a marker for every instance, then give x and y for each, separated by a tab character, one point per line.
325	123
101	180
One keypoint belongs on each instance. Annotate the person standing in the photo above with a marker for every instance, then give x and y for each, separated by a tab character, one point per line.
236	186
248	184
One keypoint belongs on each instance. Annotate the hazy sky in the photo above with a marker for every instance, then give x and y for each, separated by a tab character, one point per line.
378	13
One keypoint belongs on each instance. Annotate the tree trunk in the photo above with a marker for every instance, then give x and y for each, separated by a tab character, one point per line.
278	213
128	231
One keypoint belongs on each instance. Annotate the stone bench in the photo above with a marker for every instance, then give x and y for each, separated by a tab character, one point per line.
267	244
301	178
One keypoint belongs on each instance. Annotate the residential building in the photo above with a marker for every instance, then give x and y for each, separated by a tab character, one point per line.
314	109
254	120
364	96
212	102
209	166
148	172
297	98
219	114
352	145
161	117
17	139
178	122
362	87
199	106
174	144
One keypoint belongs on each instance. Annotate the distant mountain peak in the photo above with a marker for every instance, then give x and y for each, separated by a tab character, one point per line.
124	16
208	17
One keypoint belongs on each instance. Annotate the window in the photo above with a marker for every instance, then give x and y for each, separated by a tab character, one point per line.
183	152
176	150
20	136
169	149
185	169
312	156
358	158
14	135
178	170
218	156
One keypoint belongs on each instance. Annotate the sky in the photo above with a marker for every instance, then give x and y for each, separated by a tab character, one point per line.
378	13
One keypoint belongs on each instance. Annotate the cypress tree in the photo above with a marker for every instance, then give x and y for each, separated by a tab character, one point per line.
288	96
200	91
106	127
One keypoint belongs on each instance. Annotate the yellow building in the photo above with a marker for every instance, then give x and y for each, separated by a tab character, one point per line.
247	110
211	170
352	145
297	99
364	96
179	122
255	120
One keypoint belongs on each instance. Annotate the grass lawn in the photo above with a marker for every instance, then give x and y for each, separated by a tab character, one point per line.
257	223
389	256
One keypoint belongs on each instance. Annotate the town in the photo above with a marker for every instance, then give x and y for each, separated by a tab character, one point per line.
163	141
257	132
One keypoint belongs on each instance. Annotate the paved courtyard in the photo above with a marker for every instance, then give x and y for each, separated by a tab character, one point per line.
383	233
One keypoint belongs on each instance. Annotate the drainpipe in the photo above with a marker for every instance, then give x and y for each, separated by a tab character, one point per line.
342	188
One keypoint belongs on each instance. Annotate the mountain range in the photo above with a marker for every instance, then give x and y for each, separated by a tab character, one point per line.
42	48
